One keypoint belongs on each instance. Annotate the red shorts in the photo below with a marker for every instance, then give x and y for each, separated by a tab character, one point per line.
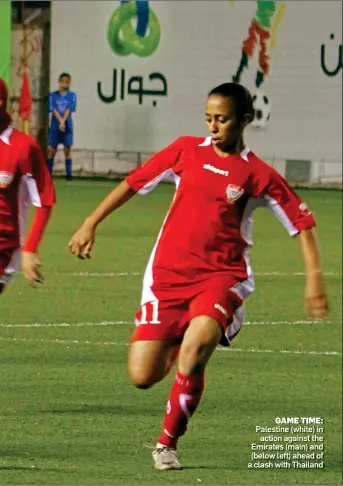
9	263
169	315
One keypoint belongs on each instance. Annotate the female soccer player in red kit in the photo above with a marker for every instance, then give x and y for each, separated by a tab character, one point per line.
199	273
24	178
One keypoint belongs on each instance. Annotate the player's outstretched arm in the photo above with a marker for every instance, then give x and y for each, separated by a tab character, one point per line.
315	295
142	180
297	219
82	242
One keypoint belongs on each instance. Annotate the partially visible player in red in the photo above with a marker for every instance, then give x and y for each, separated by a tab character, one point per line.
199	273
24	179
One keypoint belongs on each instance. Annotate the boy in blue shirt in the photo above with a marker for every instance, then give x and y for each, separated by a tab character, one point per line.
62	103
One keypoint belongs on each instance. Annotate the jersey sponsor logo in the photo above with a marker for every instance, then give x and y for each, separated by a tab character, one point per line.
5	179
305	209
221	309
216	170
233	193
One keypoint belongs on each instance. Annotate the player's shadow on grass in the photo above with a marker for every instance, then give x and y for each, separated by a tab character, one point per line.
206	468
27	468
99	409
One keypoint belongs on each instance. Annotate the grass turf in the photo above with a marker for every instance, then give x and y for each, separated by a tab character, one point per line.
69	414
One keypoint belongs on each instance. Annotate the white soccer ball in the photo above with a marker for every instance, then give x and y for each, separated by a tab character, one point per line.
262	108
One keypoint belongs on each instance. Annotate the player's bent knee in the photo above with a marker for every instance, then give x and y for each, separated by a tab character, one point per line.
141	374
149	362
141	378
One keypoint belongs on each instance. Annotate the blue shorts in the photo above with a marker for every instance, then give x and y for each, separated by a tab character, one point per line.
56	137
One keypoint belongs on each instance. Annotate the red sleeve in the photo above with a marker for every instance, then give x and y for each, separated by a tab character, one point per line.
159	167
36	232
37	177
286	205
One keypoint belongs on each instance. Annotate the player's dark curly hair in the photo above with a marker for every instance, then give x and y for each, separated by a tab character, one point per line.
241	98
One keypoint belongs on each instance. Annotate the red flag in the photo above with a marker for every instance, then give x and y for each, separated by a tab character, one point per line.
25	101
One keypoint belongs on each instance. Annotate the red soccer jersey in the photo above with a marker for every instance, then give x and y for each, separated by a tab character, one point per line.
24	179
207	231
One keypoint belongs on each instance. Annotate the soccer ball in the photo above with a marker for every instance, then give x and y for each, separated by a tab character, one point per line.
262	110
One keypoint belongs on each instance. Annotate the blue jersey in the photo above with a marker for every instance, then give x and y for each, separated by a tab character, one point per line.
62	103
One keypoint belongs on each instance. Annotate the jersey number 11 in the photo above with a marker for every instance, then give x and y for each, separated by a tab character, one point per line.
150	313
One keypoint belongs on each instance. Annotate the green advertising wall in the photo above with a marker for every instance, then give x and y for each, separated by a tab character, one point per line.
5	43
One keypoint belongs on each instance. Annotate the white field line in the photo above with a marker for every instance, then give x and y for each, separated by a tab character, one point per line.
127	323
283	351
110	343
138	274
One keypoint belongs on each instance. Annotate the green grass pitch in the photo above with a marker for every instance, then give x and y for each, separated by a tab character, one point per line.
68	412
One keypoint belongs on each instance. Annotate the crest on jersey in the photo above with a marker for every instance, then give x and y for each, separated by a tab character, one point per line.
233	193
5	179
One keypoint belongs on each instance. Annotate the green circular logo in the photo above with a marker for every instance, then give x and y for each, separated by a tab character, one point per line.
123	38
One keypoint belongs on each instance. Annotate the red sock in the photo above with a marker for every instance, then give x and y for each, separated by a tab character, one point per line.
184	398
